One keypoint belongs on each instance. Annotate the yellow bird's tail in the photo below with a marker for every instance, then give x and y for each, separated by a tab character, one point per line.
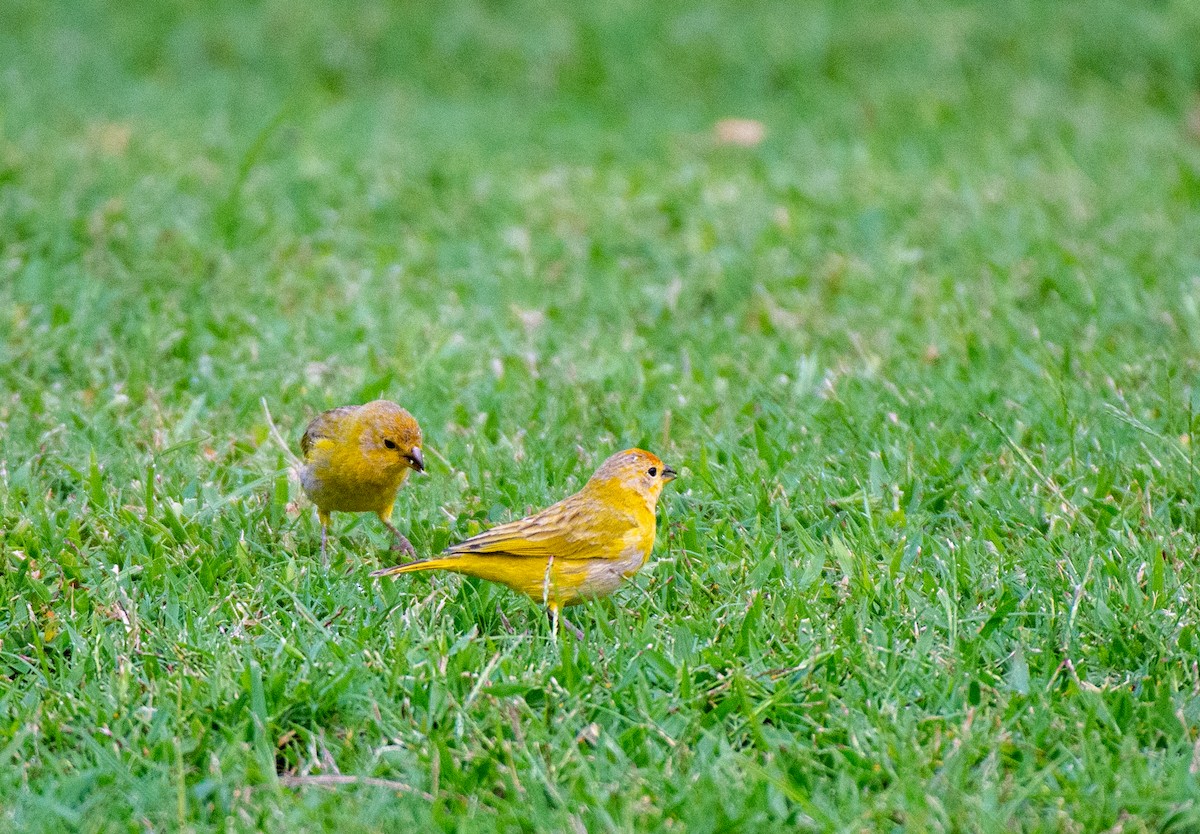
417	566
532	577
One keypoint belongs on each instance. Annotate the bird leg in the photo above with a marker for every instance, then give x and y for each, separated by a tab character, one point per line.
576	630
402	544
507	625
323	517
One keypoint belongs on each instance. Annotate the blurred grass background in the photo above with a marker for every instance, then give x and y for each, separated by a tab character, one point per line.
926	356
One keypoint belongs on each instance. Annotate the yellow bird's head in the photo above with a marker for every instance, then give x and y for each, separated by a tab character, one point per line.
633	470
390	437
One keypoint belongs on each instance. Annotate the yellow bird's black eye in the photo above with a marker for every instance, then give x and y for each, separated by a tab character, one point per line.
391	444
652	471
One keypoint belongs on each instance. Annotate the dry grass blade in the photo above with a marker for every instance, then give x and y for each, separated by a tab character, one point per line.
274	432
336	780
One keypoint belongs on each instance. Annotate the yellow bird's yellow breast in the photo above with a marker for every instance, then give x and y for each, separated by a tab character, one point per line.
338	477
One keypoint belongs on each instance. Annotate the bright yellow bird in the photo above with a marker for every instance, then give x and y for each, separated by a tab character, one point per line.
355	459
582	547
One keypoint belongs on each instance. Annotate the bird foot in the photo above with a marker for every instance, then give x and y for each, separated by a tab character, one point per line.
403	545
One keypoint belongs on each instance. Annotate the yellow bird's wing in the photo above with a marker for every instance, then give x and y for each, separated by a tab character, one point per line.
574	528
324	425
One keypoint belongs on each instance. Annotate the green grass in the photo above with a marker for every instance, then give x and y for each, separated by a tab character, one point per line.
927	359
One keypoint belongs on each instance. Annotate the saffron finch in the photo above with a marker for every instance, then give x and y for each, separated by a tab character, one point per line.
582	547
355	459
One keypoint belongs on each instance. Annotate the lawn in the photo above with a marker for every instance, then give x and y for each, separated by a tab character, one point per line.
927	359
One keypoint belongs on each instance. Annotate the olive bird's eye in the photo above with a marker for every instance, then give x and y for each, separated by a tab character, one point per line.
652	471
391	444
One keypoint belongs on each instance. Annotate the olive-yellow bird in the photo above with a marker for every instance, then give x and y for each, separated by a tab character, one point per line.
355	459
582	547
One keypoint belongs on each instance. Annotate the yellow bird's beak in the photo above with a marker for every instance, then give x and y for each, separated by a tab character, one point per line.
669	474
415	459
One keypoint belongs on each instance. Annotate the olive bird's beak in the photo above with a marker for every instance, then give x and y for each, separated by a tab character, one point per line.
415	459
669	474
